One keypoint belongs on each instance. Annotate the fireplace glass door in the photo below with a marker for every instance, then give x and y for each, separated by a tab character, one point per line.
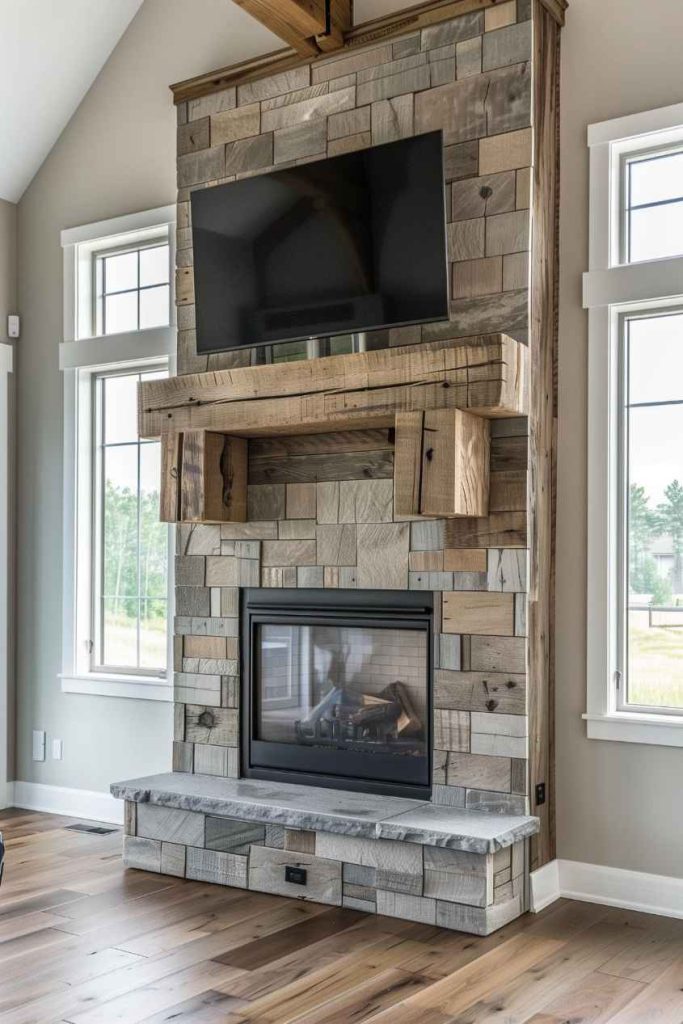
340	693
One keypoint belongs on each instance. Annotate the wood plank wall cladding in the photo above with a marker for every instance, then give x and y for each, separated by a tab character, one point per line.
321	509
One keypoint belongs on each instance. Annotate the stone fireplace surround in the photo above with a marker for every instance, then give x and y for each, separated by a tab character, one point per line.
461	860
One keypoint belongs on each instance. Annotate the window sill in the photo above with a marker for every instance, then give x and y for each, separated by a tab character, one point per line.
631	727
132	687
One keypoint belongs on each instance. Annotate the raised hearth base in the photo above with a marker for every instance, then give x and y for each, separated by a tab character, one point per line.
451	867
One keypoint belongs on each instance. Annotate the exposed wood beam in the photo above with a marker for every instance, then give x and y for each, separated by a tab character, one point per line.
275	17
339	24
409	20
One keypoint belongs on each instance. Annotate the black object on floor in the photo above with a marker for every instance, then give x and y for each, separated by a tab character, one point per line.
96	830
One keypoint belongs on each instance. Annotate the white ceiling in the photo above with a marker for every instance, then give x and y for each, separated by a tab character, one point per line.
51	51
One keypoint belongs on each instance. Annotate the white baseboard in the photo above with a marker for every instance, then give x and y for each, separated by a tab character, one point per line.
77	803
612	887
545	886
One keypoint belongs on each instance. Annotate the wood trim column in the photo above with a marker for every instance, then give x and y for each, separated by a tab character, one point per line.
543	425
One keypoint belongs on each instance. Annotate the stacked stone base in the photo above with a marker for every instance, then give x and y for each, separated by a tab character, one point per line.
456	889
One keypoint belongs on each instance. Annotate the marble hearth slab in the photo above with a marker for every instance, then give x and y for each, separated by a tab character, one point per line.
331	810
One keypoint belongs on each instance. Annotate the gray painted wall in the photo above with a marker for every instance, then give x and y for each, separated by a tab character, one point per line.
8	262
116	156
617	803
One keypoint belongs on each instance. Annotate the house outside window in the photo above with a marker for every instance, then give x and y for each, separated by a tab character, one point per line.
634	294
118	579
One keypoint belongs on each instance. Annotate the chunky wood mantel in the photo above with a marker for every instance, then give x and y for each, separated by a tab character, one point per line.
439	397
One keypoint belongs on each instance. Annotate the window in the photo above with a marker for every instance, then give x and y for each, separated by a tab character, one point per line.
132	289
129	616
653	206
634	293
118	582
651	672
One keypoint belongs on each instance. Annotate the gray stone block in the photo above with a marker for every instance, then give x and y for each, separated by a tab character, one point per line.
507	233
413	80
508	99
336	545
478	920
392	119
349	122
509	45
410	908
143	854
301	140
274	85
461	160
316	108
192	601
205	165
170	824
217	867
427	535
249	154
464	27
483	196
173	859
449	652
189	571
383	556
267	874
233	836
309	576
210	759
214	103
264	502
468	57
496	803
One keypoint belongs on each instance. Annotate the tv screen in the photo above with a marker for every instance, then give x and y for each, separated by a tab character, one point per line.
352	243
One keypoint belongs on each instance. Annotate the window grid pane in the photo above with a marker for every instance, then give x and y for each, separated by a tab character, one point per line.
131	543
653	457
132	289
654	207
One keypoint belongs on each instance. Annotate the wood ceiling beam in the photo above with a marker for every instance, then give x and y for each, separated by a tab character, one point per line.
308	26
270	14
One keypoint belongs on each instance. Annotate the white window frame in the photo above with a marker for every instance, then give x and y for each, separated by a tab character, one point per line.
612	291
81	357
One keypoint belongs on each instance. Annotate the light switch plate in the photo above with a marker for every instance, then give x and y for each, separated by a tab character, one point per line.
57	750
13	326
38	744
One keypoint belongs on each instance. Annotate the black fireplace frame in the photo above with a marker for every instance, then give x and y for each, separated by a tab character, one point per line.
412	609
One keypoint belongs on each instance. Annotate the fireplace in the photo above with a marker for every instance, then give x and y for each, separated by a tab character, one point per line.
336	688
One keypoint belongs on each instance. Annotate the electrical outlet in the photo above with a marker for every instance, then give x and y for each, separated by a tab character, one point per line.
13	326
57	750
540	794
297	876
38	744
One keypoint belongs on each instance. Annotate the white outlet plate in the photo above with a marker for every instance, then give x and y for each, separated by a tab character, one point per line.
13	326
38	744
57	750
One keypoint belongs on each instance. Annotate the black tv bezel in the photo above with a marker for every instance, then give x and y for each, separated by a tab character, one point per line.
385	325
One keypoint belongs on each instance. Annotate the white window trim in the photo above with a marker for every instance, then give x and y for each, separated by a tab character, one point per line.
79	359
611	290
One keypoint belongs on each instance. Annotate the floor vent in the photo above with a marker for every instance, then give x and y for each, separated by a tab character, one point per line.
95	830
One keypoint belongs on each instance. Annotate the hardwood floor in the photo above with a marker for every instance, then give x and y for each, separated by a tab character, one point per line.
83	941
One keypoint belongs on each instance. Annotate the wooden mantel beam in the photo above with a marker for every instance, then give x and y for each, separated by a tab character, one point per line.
308	26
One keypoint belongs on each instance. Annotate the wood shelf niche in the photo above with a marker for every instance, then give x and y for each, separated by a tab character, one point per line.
439	395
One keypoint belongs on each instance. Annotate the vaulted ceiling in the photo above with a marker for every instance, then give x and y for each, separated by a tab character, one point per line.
51	51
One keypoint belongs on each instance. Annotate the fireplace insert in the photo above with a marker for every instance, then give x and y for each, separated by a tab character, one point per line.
336	688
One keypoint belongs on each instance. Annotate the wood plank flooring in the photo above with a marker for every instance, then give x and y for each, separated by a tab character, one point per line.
85	942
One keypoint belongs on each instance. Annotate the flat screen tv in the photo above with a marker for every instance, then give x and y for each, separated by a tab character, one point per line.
348	244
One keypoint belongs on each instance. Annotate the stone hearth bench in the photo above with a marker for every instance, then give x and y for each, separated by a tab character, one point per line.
457	868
